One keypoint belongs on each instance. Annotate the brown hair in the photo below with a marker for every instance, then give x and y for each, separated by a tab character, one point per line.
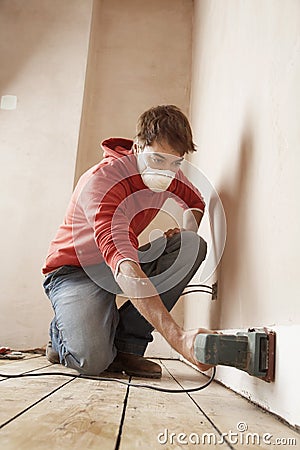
165	122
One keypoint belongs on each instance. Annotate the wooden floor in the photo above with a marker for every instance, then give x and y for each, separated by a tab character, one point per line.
59	412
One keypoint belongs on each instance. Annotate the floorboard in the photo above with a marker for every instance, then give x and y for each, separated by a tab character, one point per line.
62	413
156	420
22	365
230	413
66	413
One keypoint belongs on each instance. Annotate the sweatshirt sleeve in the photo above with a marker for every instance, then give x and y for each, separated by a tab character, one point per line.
112	231
186	194
104	207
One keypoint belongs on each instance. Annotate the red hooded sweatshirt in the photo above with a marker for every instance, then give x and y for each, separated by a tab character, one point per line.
109	209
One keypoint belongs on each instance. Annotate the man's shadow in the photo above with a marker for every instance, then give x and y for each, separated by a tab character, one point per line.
235	194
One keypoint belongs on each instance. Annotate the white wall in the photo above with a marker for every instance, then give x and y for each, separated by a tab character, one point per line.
43	48
245	108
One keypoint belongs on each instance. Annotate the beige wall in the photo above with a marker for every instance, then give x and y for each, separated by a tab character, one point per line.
245	108
43	47
140	56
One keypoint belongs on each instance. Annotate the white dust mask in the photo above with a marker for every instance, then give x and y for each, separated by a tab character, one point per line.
156	179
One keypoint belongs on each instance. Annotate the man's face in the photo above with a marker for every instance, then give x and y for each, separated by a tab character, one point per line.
158	164
161	156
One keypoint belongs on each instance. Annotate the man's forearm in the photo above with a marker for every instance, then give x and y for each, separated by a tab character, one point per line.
156	313
149	304
151	307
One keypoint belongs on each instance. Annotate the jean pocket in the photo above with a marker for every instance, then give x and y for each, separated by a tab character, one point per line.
48	282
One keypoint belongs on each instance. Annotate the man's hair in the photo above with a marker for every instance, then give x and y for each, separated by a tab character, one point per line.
165	123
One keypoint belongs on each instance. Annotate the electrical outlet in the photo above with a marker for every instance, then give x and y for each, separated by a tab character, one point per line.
214	295
8	102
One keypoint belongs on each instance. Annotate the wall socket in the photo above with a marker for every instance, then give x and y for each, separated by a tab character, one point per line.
8	102
214	287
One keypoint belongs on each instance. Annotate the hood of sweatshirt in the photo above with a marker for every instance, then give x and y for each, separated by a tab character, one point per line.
120	149
116	147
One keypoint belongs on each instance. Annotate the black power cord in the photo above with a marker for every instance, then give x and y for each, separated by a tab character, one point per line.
116	380
200	285
127	383
197	290
207	289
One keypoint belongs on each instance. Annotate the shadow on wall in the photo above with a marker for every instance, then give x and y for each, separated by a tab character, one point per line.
236	196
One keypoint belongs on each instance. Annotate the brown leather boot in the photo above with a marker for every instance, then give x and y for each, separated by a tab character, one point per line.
51	354
134	365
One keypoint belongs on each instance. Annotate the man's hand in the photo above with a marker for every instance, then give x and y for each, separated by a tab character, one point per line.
187	347
191	221
171	232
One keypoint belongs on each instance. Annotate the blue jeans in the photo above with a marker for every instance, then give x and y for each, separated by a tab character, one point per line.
88	328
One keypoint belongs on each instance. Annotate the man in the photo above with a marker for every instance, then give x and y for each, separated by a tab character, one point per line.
95	254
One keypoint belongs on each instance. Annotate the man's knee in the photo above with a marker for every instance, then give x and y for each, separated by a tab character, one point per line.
193	246
90	361
188	247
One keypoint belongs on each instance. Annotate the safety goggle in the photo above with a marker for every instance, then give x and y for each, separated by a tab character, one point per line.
161	161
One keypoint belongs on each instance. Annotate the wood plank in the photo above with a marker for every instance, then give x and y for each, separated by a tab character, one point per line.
193	378
231	412
84	414
150	413
4	361
17	394
22	365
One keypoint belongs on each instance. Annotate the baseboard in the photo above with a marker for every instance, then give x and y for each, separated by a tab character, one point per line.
281	396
